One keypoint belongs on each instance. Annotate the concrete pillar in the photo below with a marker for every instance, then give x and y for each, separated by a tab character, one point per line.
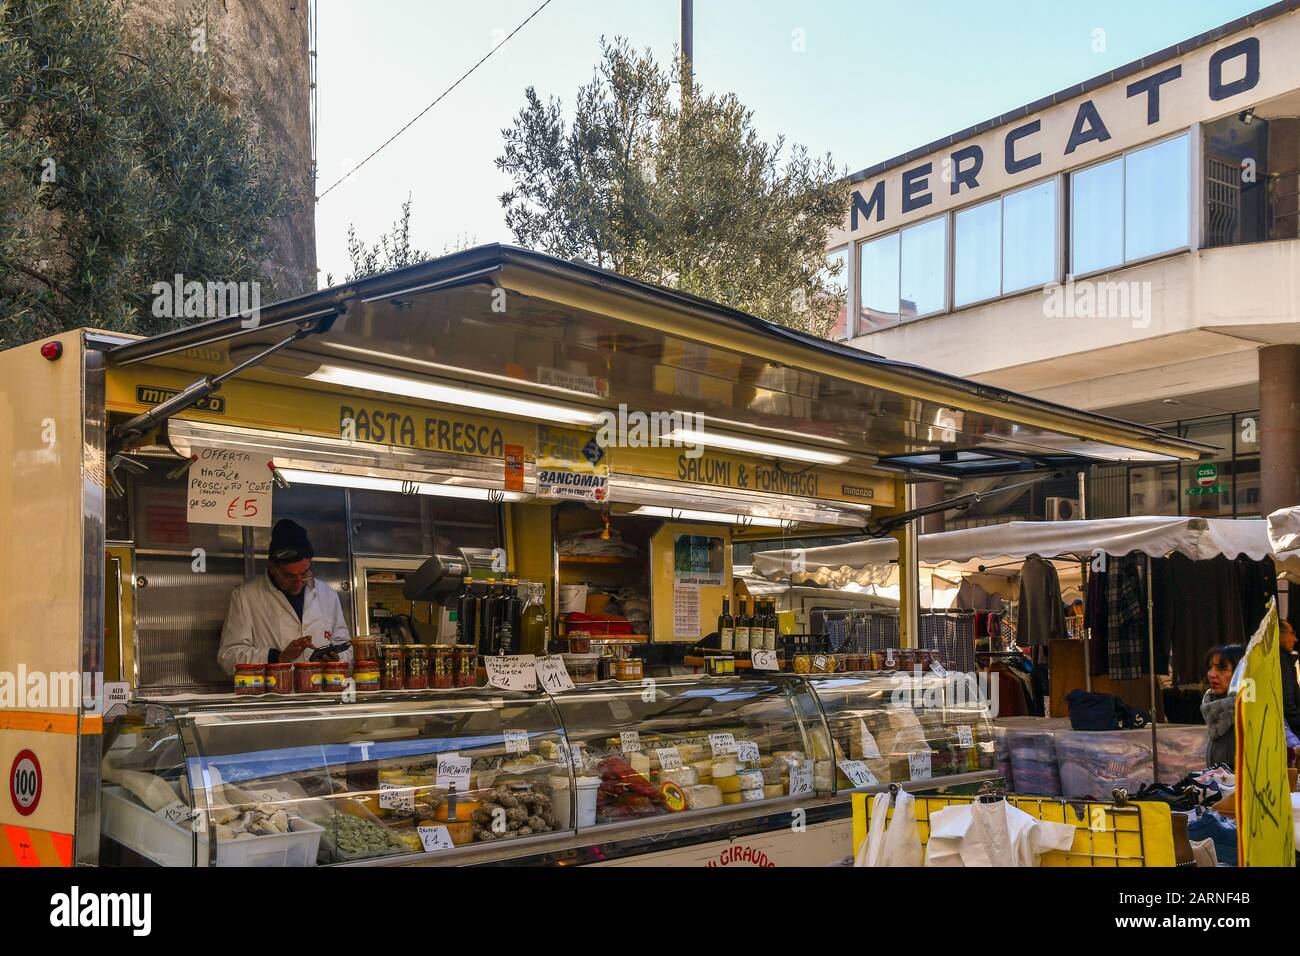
1279	427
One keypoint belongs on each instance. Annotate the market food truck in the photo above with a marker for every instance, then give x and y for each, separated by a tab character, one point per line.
521	478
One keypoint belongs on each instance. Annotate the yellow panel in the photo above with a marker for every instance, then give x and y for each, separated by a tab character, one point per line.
532	543
661	580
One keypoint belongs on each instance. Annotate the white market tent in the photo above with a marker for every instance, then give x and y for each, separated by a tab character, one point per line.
1284	531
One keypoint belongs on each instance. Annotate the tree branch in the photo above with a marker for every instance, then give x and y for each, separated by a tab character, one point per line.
38	276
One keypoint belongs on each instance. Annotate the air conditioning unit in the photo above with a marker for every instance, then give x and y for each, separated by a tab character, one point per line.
1062	509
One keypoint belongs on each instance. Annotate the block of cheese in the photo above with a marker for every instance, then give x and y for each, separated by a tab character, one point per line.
771	790
727	784
702	768
640	762
772	774
682	776
750	779
691	753
702	796
749	796
730	798
724	768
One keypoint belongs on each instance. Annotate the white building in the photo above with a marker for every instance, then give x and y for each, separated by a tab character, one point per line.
1130	245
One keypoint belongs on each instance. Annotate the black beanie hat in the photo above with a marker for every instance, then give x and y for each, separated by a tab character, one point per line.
289	542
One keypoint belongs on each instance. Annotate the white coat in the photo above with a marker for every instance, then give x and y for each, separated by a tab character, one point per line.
992	834
260	618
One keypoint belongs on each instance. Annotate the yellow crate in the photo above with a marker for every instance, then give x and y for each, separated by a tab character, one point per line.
1134	834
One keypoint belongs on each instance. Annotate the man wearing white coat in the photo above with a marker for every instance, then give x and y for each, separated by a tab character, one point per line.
283	616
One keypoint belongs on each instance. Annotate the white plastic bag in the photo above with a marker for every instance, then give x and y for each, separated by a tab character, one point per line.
900	844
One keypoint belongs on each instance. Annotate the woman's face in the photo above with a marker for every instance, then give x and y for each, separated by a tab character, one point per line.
1219	674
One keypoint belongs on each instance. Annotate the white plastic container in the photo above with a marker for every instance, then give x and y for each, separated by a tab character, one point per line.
167	844
573	598
588	789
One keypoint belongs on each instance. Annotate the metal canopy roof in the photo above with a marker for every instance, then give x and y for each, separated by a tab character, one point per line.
524	325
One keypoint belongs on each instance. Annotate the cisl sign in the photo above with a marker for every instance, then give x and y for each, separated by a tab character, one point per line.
1067	131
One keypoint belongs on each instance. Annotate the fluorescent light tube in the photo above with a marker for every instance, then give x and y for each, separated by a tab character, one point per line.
721	517
454	395
688	436
296	476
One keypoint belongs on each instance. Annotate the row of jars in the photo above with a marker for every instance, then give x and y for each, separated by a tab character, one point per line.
376	667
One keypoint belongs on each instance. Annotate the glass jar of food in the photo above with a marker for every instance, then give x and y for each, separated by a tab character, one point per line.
366	675
802	662
279	678
442	668
582	668
417	667
250	679
466	664
394	667
308	677
335	676
628	668
365	649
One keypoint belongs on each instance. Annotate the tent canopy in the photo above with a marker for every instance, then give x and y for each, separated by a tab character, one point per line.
1196	538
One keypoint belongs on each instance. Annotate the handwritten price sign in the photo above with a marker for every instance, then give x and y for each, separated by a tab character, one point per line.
229	487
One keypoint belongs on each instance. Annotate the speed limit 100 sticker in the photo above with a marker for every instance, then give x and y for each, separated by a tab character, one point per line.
25	782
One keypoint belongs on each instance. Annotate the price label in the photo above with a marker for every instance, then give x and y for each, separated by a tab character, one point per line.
552	675
722	744
747	751
870	750
516	741
177	813
452	769
435	838
938	669
393	797
229	487
764	661
669	758
511	672
629	741
858	773
965	739
1047	707
576	756
801	779
819	663
918	764
620	710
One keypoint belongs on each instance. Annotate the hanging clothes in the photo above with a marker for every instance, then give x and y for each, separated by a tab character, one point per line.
900	844
1126	623
1095	616
1042	618
992	834
1197	605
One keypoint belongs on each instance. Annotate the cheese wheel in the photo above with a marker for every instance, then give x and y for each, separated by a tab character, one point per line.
771	790
750	779
772	774
730	798
701	797
749	796
724	768
727	784
682	776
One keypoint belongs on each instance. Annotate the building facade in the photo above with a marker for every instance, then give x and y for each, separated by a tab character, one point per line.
1130	245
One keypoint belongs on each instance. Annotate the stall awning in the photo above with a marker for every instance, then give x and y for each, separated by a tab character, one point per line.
1196	538
535	340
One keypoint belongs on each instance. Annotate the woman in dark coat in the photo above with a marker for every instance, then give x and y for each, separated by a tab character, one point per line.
1219	706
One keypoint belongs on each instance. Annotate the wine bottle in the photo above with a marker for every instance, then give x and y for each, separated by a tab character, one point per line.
743	624
491	611
726	628
467	607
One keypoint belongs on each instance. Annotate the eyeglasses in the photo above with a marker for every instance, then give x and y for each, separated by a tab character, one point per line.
305	577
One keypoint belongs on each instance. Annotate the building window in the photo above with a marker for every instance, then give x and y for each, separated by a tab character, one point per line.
1130	207
976	253
1236	181
878	283
924	269
1029	237
836	279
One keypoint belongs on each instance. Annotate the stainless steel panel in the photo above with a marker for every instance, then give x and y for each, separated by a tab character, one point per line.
179	615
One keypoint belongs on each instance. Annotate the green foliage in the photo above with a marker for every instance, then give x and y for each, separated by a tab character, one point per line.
122	164
658	181
392	251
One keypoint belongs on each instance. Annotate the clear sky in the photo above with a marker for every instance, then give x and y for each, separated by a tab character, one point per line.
862	80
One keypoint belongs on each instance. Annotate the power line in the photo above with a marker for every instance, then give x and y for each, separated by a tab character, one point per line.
463	77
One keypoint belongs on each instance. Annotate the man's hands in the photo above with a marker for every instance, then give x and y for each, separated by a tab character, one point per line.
295	649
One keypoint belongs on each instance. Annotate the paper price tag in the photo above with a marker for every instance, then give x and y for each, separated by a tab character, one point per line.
722	744
747	751
452	769
918	764
511	672
629	741
965	738
552	675
819	663
801	780
516	741
870	749
764	661
938	669
669	758
435	838
178	813
858	773
393	797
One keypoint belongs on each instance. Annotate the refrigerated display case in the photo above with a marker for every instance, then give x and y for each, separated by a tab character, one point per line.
485	776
